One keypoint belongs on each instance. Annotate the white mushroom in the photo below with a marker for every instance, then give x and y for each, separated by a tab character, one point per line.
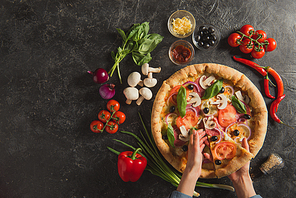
184	135
150	81
239	96
131	93
221	101
134	79
146	69
209	122
195	99
205	81
145	94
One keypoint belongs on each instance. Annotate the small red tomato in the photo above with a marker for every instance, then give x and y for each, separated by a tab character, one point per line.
233	39
119	117
247	30
113	105
271	45
258	53
104	115
96	126
247	46
111	127
260	35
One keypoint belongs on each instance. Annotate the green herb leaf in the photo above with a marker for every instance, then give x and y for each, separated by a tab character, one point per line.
149	43
213	90
238	105
170	134
122	34
181	101
140	59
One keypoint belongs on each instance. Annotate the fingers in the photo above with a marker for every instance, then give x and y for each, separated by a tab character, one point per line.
208	156
245	144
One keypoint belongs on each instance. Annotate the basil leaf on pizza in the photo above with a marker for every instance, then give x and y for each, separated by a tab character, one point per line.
213	90
170	134
181	101
238	105
189	99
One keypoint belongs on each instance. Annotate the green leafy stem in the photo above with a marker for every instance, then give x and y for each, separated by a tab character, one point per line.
258	46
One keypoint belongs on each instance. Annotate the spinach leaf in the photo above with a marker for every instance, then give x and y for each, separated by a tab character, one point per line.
213	90
238	105
170	134
181	101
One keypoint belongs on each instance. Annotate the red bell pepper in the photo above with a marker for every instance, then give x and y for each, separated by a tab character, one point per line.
131	165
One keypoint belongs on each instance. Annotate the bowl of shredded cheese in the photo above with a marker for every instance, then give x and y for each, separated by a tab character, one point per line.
181	24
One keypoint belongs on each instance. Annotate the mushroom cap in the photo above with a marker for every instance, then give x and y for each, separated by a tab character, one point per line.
145	67
146	93
131	93
133	79
150	82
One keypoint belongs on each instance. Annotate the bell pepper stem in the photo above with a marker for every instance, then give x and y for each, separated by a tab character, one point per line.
135	152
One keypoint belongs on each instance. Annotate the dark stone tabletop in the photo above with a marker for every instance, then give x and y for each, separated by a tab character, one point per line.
48	99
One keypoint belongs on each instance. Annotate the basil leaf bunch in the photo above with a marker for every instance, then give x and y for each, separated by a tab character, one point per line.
213	90
171	136
181	101
238	105
138	42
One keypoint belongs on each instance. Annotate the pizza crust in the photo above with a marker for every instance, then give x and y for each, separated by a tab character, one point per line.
258	120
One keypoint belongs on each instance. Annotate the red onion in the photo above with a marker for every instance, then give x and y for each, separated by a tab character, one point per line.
167	117
196	86
107	91
99	76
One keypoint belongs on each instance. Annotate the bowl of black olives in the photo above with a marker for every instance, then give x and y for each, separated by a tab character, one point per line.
205	37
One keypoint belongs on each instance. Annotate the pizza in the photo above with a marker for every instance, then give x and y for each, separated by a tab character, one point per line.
221	101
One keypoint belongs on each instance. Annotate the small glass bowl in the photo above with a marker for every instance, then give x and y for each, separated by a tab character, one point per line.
180	14
207	37
187	45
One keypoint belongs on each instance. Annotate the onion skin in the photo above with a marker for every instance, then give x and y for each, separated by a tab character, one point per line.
99	75
107	91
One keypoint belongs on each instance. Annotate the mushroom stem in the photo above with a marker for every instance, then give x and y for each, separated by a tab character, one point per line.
140	100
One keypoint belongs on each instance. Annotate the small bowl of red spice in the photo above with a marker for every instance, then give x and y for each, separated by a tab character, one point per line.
181	52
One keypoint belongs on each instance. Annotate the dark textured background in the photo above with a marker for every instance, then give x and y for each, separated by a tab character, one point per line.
48	100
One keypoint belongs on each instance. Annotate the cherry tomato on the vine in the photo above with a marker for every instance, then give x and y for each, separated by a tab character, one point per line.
113	105
96	126
271	45
104	115
258	53
233	39
261	34
247	30
119	117
247	46
111	127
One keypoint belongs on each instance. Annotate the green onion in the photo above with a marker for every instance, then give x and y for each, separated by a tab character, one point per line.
156	164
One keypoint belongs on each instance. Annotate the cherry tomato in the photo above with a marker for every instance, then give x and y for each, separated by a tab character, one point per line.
174	92
119	117
113	105
247	46
258	54
260	33
227	116
225	150
189	120
233	39
104	115
111	127
96	126
247	30
271	45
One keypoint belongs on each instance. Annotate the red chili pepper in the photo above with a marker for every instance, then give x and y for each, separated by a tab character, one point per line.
273	107
255	66
279	81
266	87
131	165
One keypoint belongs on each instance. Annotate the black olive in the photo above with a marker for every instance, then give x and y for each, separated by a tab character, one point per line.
206	45
222	90
212	43
165	137
191	87
197	38
213	37
206	110
201	44
218	162
202	28
236	132
185	148
214	138
247	116
211	30
172	109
